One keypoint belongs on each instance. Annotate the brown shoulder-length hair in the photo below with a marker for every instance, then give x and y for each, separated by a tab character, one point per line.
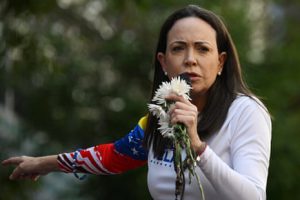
221	94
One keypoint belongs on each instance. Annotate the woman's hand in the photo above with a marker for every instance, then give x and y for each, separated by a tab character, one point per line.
31	167
183	111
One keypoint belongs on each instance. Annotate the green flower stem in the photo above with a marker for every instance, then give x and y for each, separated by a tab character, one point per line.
182	141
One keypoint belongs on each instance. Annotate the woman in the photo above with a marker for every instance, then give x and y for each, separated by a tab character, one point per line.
229	128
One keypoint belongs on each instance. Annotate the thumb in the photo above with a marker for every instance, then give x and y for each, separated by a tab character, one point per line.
17	173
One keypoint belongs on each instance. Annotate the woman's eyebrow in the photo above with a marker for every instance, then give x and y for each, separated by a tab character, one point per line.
178	42
203	42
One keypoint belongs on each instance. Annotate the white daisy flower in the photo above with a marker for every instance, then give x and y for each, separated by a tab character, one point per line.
162	92
165	128
157	111
177	86
180	87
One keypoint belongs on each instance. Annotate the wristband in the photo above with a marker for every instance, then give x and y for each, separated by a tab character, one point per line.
74	165
203	147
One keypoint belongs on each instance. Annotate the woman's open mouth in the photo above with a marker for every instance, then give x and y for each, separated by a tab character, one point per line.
193	76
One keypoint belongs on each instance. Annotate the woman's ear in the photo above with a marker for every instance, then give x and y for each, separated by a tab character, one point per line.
222	60
162	60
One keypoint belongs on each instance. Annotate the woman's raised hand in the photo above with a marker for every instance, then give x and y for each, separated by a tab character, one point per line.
183	111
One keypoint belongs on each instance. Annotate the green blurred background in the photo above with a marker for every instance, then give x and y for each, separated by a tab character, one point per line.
76	73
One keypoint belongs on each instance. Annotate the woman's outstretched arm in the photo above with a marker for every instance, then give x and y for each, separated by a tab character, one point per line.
114	158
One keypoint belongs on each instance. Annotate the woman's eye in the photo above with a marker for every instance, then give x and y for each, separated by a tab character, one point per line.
177	48
203	49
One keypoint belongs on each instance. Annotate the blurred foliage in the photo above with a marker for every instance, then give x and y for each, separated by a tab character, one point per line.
75	73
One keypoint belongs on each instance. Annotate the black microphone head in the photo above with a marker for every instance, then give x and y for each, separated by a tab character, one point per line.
186	77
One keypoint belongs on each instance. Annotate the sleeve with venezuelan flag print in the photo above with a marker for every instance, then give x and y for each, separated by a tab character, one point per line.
114	158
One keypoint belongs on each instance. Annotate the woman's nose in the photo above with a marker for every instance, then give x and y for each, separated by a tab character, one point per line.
190	59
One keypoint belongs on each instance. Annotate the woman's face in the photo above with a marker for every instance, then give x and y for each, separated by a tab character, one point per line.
192	48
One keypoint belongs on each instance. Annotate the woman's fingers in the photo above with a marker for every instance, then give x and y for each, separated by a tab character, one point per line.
22	170
180	108
13	161
174	97
187	120
183	112
18	173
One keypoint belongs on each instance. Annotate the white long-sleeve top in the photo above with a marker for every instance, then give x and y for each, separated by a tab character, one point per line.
234	166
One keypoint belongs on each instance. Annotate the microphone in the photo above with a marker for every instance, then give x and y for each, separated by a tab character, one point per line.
186	77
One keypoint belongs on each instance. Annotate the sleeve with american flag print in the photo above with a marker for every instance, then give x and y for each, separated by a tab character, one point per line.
107	159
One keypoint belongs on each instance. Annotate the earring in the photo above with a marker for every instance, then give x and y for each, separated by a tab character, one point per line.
219	73
165	73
